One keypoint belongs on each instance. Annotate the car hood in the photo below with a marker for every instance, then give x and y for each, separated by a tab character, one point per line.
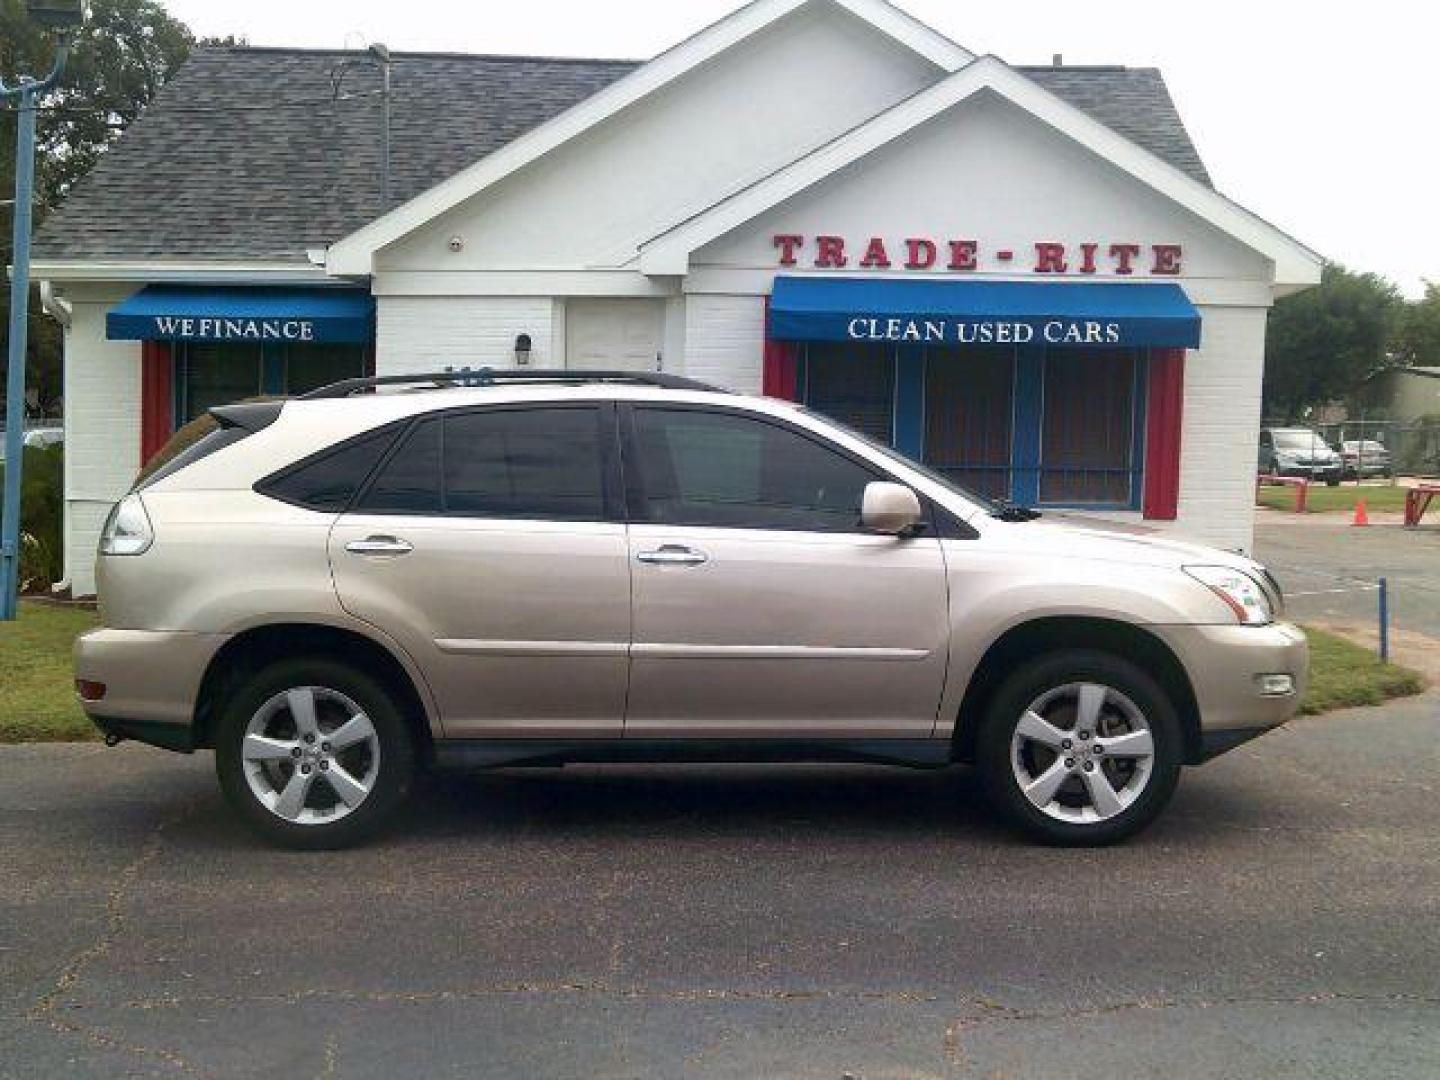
1073	537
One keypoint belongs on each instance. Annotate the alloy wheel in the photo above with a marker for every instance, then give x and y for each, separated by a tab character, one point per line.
1082	753
311	756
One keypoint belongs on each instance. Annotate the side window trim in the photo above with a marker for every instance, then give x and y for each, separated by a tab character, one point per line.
607	439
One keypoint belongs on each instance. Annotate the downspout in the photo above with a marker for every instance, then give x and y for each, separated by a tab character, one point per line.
63	313
55	306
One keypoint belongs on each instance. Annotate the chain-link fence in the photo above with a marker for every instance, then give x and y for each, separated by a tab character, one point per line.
1413	446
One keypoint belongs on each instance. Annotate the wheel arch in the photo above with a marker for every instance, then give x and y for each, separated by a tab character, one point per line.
1051	633
258	646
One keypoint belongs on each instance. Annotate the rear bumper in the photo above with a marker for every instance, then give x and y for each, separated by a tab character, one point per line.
151	680
1225	664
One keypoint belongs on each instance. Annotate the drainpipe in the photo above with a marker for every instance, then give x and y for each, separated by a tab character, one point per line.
56	306
63	312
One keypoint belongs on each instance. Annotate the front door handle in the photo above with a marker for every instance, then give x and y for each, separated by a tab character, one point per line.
673	555
379	545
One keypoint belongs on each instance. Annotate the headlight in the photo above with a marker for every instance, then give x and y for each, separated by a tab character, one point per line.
1238	589
127	530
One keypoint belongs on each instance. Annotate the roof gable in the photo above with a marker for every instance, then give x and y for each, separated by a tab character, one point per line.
354	254
669	253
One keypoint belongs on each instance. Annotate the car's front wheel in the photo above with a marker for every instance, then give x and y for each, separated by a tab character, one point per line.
1080	747
314	754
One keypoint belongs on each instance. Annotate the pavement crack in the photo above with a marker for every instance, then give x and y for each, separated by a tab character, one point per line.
46	1009
1003	1014
627	993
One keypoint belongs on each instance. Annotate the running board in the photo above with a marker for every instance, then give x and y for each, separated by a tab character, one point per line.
496	753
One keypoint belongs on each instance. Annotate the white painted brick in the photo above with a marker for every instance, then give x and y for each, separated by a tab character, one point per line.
102	434
725	341
421	334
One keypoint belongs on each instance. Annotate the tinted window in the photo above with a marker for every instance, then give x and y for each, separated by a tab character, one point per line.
330	482
530	463
409	483
705	468
515	463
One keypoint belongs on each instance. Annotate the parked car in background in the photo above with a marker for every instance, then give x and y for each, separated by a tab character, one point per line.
1299	452
1365	457
36	438
332	592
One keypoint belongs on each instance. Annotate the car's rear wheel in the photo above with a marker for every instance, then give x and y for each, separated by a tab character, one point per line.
314	754
1080	748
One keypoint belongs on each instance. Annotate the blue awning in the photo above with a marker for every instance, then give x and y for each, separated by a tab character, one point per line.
235	313
932	312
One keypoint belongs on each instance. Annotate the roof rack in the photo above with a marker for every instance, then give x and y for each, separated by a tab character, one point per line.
480	377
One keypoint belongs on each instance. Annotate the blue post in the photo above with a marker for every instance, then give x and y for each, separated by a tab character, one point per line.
27	93
1384	620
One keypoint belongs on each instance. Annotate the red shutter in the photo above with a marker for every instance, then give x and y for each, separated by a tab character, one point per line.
1163	418
781	360
157	372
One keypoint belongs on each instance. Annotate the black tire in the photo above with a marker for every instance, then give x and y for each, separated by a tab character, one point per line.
395	769
1333	483
1025	685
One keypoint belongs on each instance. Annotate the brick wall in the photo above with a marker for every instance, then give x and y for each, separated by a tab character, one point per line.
102	434
419	334
725	340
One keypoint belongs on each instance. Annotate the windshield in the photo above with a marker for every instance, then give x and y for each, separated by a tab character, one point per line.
1300	440
982	501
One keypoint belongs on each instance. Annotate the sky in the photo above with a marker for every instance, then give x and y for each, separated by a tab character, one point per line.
1319	117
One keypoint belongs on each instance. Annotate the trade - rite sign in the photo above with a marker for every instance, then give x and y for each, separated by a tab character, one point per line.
826	252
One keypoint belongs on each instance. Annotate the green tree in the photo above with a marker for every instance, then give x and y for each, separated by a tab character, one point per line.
1324	342
1417	339
119	61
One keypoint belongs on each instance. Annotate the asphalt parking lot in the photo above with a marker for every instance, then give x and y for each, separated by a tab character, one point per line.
1325	564
1282	920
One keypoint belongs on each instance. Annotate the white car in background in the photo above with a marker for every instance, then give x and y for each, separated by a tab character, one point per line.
36	438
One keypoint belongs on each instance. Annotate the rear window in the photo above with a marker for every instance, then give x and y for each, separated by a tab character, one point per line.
329	481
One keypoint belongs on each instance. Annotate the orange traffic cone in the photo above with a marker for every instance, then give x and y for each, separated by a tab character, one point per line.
1361	517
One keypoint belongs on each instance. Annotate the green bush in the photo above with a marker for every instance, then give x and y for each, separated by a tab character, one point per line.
42	498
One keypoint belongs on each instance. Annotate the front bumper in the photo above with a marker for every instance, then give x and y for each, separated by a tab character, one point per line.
151	680
1225	664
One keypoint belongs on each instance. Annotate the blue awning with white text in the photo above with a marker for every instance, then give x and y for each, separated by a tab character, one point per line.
226	313
947	312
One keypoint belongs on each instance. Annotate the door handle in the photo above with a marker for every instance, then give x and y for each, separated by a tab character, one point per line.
673	555
379	545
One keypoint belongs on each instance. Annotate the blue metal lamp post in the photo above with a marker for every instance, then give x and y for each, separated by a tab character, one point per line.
27	92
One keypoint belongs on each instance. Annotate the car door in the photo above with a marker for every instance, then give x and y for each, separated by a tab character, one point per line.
761	608
491	544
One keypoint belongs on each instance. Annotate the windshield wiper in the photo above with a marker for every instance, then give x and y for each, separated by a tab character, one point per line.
1008	511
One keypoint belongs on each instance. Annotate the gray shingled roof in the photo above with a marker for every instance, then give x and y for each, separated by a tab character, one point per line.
245	154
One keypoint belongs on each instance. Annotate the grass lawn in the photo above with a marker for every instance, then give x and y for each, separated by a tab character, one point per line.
1323	500
1343	674
37	699
37	689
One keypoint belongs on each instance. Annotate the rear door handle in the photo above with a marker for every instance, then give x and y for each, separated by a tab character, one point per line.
673	555
379	545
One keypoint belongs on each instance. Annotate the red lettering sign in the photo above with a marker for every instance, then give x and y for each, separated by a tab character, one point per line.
830	253
1167	259
920	254
963	254
1124	256
1050	259
876	257
923	253
788	243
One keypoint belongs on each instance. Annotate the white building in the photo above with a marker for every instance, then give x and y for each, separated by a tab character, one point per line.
1021	276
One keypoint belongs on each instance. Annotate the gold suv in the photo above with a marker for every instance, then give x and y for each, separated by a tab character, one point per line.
497	569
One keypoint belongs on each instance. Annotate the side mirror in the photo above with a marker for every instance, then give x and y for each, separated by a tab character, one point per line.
890	508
